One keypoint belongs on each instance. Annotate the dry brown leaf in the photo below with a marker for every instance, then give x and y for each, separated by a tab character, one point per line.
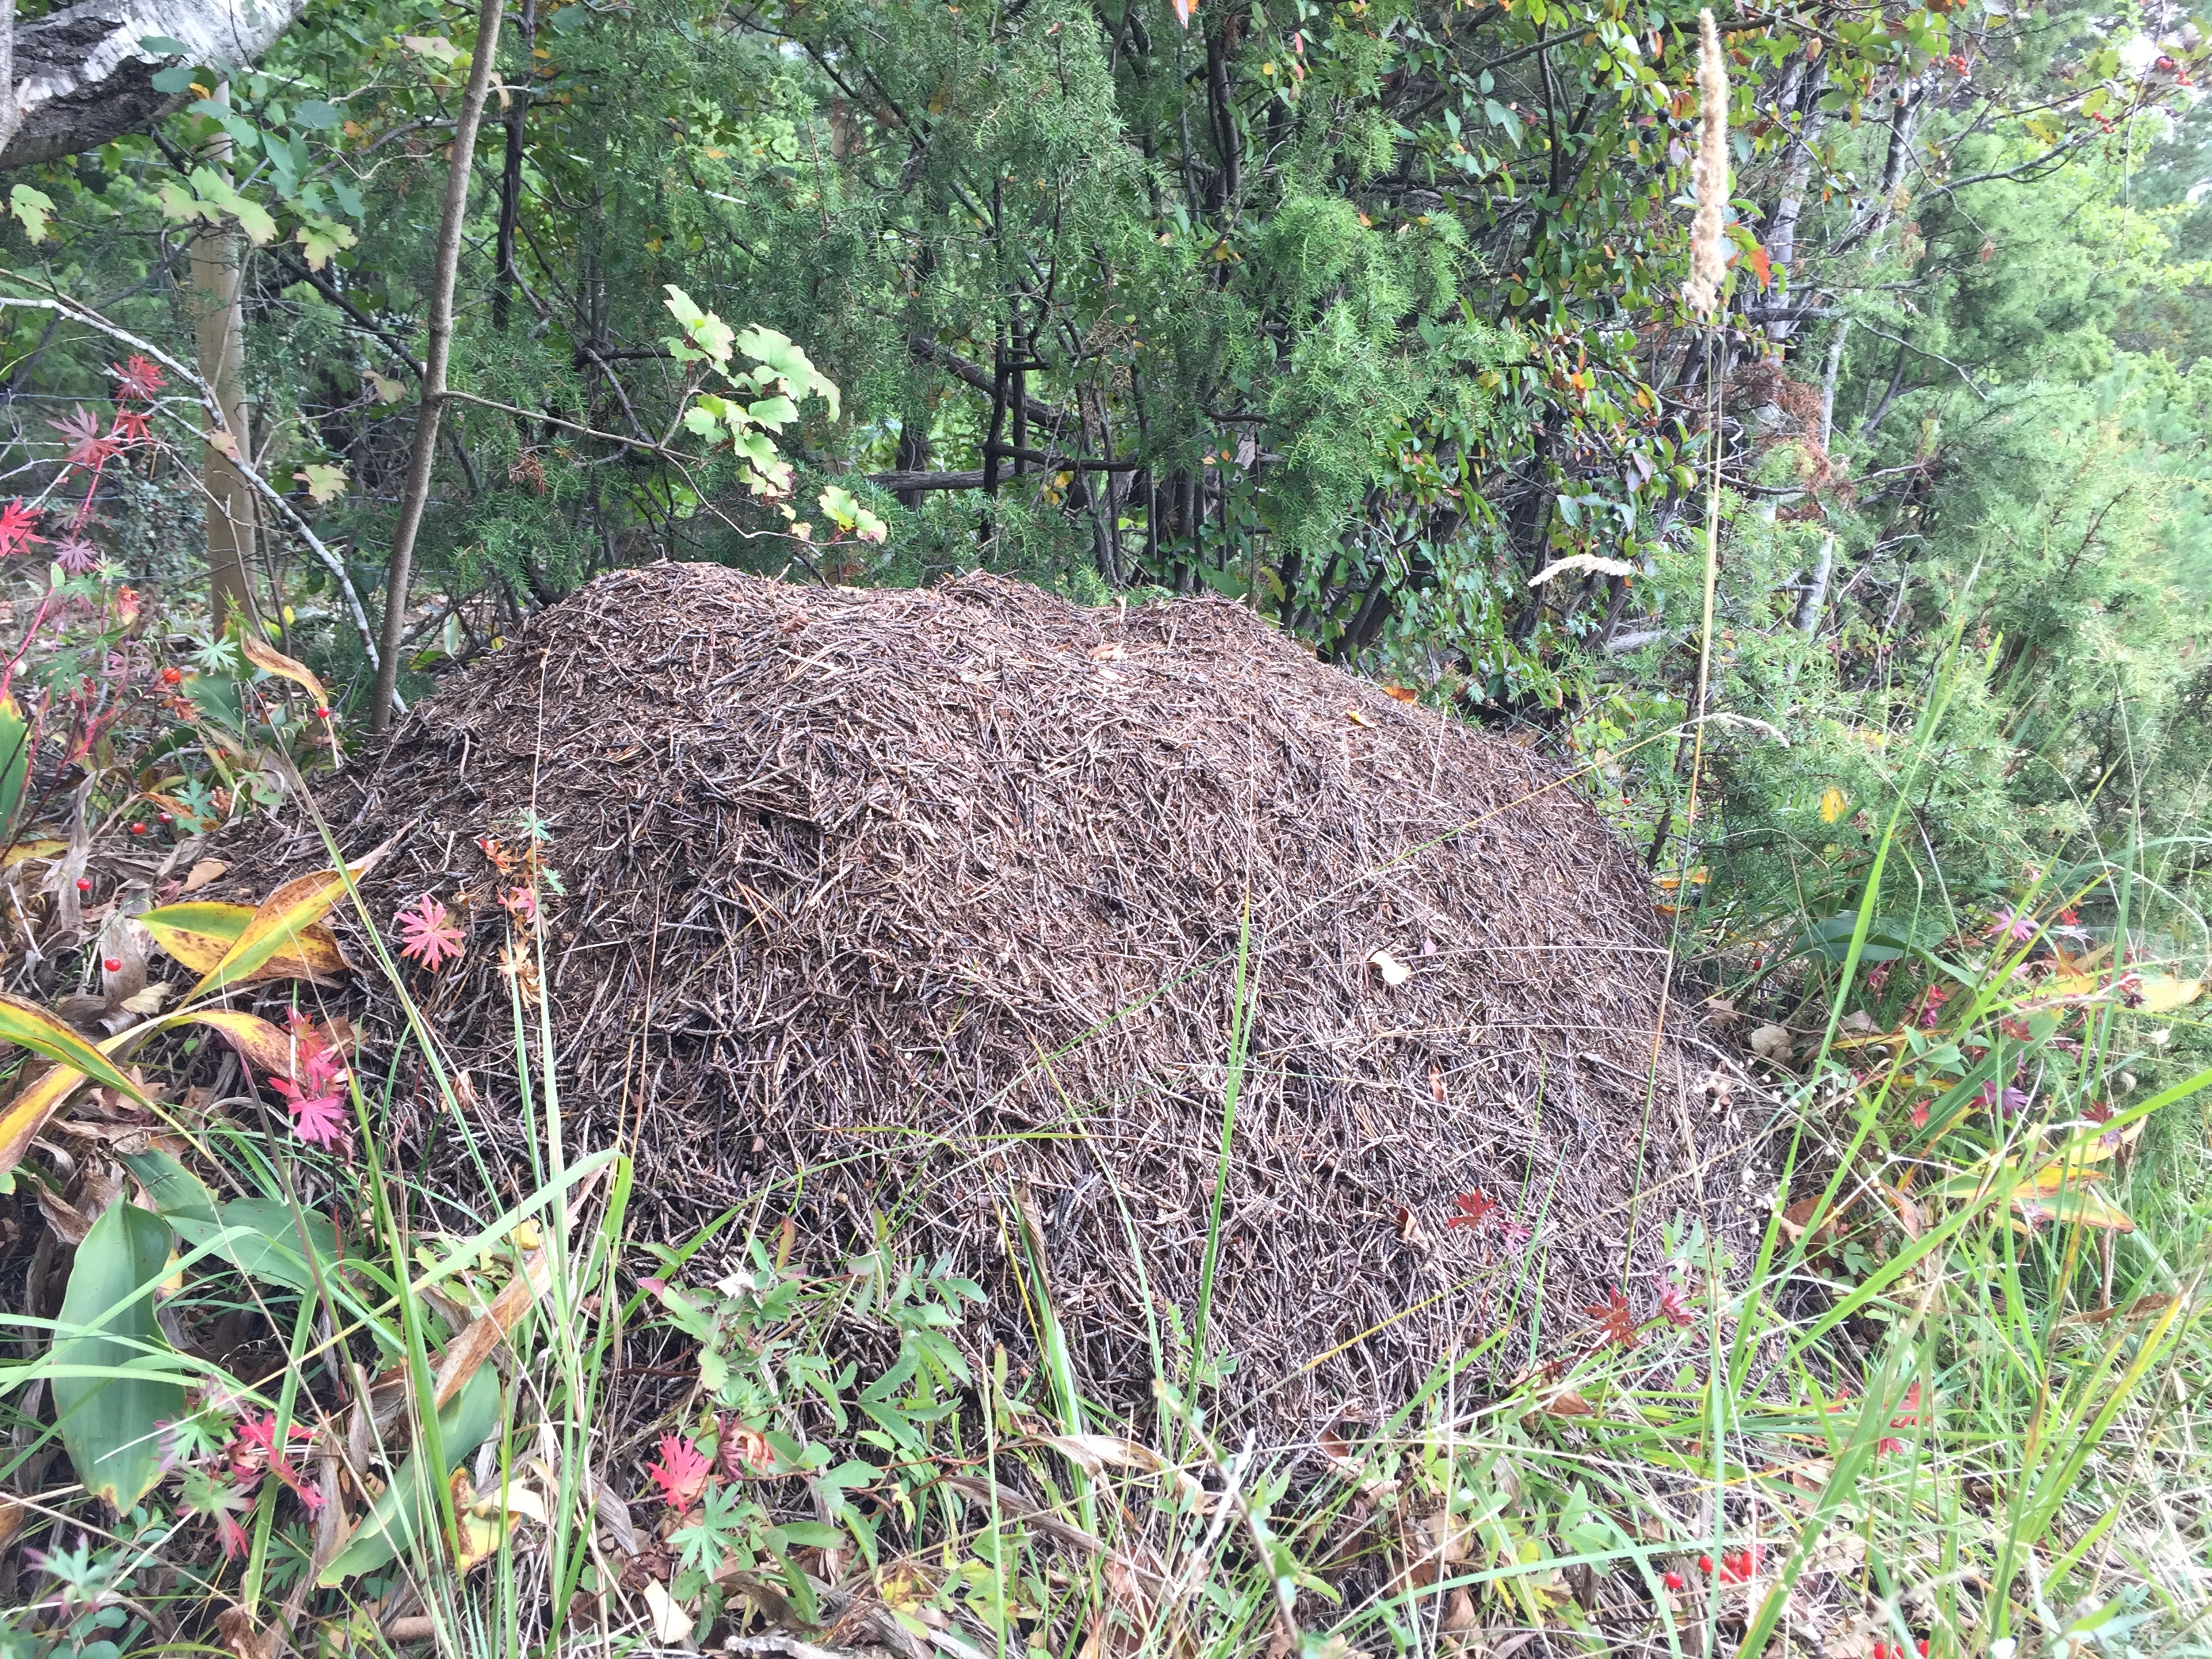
202	873
1402	693
485	1332
1772	1042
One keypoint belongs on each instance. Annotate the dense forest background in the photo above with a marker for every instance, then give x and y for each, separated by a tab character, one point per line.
1366	314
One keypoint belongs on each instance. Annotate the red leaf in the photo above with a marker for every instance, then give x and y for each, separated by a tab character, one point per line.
680	1472
1615	1319
87	445
1762	266
1474	1209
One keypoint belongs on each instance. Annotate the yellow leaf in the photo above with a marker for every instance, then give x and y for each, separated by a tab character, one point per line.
40	1098
283	920
2161	993
1402	693
268	1049
31	849
267	658
201	933
1833	805
1357	718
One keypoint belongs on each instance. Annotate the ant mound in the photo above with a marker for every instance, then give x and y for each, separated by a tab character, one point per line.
1132	960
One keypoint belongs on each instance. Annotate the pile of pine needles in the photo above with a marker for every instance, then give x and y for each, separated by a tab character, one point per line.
1269	1032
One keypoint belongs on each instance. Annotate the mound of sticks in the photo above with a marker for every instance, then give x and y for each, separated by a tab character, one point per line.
1178	987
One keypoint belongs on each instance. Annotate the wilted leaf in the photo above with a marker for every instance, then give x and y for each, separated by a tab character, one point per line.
1833	805
23	850
200	935
201	874
1357	718
265	1047
267	658
1402	693
281	924
1772	1042
474	1344
671	1625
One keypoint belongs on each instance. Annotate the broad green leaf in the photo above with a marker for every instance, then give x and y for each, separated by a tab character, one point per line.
396	1519
177	1193
260	1237
765	345
709	332
32	208
14	750
110	1425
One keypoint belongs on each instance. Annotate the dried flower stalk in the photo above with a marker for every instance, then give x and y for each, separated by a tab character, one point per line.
1708	242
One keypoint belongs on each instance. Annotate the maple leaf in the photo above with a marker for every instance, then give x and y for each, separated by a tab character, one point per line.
1919	1114
136	376
88	446
1615	1319
680	1472
1672	1306
428	935
2011	924
131	428
1474	1209
17	521
77	555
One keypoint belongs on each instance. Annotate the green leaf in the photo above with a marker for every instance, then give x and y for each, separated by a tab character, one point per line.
177	78
111	1424
395	1520
34	208
316	115
176	1191
805	1534
14	748
260	1237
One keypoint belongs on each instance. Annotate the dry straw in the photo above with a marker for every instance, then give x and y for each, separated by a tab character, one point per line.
1708	242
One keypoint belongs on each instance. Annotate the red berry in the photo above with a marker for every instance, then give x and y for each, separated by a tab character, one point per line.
1674	1581
173	675
114	965
1882	1650
322	714
84	883
1920	1646
1705	1563
165	819
137	829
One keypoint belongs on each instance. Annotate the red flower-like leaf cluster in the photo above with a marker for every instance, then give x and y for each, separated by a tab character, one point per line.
313	1094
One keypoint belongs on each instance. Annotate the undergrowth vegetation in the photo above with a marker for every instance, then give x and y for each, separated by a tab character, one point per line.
1363	315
